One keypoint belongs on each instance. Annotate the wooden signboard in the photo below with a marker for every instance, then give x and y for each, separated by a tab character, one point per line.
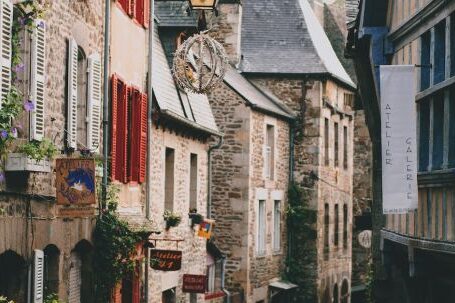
195	284
77	212
165	260
75	181
205	229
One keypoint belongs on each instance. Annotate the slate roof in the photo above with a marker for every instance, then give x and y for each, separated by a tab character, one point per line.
285	37
256	96
192	109
174	14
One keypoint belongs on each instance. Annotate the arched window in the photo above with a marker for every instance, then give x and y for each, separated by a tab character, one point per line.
13	276
335	296
51	269
81	280
345	291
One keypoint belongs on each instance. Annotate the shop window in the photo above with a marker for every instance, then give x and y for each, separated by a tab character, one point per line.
261	228
337	143
425	46
169	179
345	291
13	276
424	134
169	296
277	226
438	132
269	151
326	142
439	52
214	276
336	231
326	231
193	181
51	269
345	147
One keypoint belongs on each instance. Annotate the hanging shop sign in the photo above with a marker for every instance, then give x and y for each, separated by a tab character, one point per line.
399	137
365	238
195	284
75	181
205	229
165	260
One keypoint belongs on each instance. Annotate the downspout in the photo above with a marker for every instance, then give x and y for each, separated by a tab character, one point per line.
209	178
107	17
291	181
148	191
223	288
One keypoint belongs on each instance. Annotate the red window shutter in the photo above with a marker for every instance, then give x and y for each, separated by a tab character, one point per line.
136	285
135	132
146	13
114	114
121	133
125	4
143	138
133	11
117	294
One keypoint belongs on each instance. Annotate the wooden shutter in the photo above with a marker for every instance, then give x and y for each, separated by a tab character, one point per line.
143	138
94	102
125	4
136	284
75	278
6	21
146	20
132	8
72	94
114	118
134	135
37	79
38	276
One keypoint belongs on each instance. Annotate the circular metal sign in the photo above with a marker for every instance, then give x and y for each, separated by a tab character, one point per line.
365	238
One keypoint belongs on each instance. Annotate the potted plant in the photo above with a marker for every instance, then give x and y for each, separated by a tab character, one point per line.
172	219
32	156
195	218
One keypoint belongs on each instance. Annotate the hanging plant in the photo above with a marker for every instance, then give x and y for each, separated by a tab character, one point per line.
195	217
38	150
5	300
172	219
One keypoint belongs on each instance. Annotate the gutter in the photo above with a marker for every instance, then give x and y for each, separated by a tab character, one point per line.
180	119
107	17
148	190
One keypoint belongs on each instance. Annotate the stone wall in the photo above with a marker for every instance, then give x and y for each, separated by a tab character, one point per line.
192	246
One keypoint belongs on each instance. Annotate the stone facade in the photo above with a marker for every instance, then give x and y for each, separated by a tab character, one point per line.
238	186
29	214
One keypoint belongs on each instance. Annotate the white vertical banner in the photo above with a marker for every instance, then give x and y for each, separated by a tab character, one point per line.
399	139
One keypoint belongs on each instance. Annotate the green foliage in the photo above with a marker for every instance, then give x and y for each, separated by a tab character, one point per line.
52	298
11	108
114	244
301	263
172	219
370	282
5	300
38	150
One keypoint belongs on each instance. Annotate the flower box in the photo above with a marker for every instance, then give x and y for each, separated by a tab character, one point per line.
21	162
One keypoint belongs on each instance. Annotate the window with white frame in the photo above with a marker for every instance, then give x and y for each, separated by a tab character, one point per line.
261	227
193	181
277	225
269	152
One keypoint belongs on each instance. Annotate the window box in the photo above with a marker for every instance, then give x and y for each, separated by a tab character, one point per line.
21	162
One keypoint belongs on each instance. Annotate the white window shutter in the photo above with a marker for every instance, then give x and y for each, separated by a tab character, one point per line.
37	79
38	277
94	102
72	94
6	21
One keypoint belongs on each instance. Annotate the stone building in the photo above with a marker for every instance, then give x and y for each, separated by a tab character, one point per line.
37	237
281	46
413	252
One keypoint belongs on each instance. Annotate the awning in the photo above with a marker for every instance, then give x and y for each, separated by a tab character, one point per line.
283	285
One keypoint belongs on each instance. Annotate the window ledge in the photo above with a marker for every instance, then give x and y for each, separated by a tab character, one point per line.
437	178
435	88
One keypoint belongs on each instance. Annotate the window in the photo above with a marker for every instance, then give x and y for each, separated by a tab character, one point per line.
269	152
137	9
424	134
336	231
261	228
349	100
425	61
326	231
451	160
51	269
345	147
438	132
345	226
193	181
336	150
326	141
277	226
169	179
214	275
439	52
169	296
129	132
452	45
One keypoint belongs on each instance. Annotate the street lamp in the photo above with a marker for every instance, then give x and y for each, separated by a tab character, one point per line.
203	4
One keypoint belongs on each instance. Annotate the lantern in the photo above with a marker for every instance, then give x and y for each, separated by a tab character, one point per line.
203	4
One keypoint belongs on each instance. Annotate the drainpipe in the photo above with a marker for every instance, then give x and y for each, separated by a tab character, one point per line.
209	178
291	180
227	299
107	17
148	185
